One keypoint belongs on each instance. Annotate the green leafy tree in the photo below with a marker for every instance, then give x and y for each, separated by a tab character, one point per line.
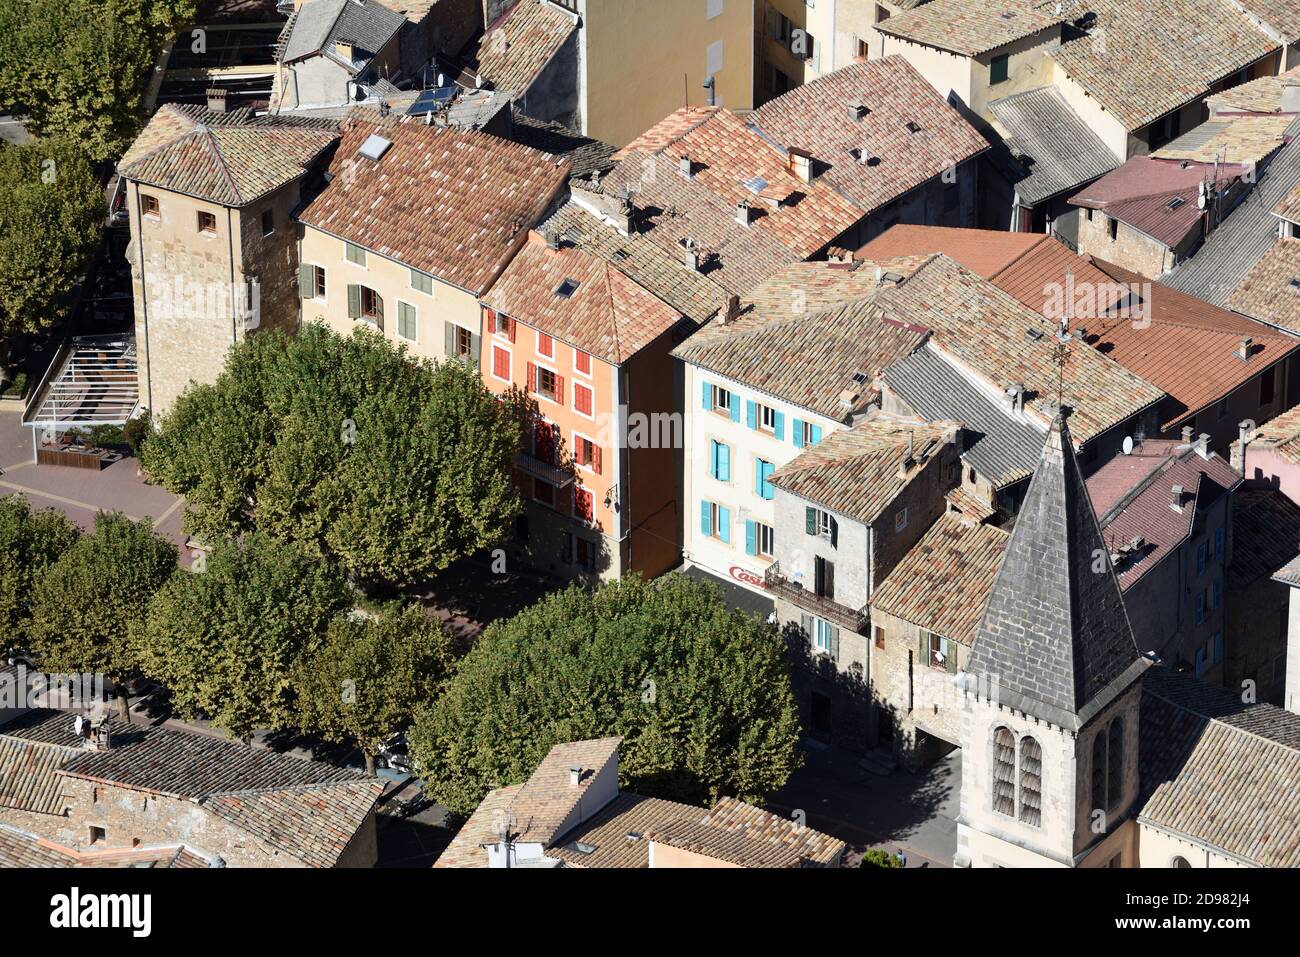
30	542
367	680
225	637
86	603
348	448
80	68
51	206
699	693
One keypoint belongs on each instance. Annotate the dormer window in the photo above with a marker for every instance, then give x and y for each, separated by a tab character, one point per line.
566	289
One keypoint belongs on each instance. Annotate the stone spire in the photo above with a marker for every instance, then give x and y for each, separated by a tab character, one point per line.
1055	641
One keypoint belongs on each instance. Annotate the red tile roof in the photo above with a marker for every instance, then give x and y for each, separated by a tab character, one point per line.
453	203
983	251
518	46
1266	291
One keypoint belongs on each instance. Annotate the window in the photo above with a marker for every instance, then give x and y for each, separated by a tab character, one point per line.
584	553
1200	607
718	399
500	325
501	363
311	281
999	69
1099	771
1202	551
1218	544
582	400
207	222
545	382
581	362
354	254
1266	386
1004	772
148	204
544	492
422	282
1031	782
545	441
406	320
464	340
878	634
777	82
715	522
823	578
372	304
1113	225
762	479
545	345
97	834
1216	593
1115	764
583	504
767	418
900	519
806	433
766	539
862	47
827	638
882	13
720	460
764	418
821	524
1223	408
586	453
268	221
566	289
1179	862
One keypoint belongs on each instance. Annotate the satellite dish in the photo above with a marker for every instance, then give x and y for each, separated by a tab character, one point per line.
1128	445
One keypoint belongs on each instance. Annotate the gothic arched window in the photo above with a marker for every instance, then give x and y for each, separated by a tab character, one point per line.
1004	772
1031	781
1099	770
1180	862
1115	763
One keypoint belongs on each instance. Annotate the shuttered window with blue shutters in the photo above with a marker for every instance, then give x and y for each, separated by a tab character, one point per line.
724	524
778	425
706	397
720	460
751	414
796	433
751	537
706	519
762	475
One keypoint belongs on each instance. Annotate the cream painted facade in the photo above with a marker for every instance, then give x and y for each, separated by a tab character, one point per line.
641	60
1158	847
393	282
798	40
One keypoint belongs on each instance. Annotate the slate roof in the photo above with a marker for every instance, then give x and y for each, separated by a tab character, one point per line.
452	203
318	24
943	582
609	314
1245	235
999	447
971	27
855	472
1063	152
1142	191
815	117
516	48
1267	293
1055	634
1146	58
1133	493
231	164
1220	772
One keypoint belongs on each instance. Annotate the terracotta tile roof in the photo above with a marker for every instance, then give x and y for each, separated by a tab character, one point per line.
1139	73
943	582
611	831
314	823
547	798
1281	434
1267	292
764	827
967	506
1225	774
1288	207
465	849
971	27
516	48
585	156
819	285
856	471
1270	523
1156	197
983	251
816	117
1132	495
19	848
606	314
449	202
228	164
1281	15
1230	139
986	331
808	359
28	775
1261	95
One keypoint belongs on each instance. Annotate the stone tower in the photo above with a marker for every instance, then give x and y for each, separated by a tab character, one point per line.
1050	727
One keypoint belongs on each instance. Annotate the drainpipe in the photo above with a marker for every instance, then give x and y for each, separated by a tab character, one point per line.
234	306
144	299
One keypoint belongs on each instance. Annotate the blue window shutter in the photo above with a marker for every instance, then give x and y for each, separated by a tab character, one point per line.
758	477
713	458
797	433
735	407
706	519
707	396
1218	647
724	463
765	486
751	414
816	434
778	425
751	538
724	524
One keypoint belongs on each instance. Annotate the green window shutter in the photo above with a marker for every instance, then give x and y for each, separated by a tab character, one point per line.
707	397
475	348
354	301
421	282
810	520
307	280
806	623
950	656
449	332
706	519
925	649
751	537
835	643
796	433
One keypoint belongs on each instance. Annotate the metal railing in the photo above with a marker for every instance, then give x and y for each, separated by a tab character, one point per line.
855	618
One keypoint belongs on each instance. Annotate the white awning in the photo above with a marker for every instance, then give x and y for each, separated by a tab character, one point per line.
92	381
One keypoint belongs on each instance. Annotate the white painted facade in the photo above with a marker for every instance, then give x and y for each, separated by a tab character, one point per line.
724	551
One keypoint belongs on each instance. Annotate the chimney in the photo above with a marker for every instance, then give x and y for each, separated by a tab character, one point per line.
1244	348
711	91
863	155
730	312
96	732
1016	395
1239	450
685	166
908	459
1291	95
343	49
838	254
1187	435
1177	499
857	110
800	164
217	100
690	254
1203	445
575	775
552	239
744	213
1083	334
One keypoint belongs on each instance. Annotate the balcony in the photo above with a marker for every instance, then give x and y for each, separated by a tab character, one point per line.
537	468
826	608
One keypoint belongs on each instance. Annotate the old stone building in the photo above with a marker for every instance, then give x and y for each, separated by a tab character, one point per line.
214	252
95	787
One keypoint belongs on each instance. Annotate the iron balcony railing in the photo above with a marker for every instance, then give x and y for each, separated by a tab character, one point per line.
856	619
